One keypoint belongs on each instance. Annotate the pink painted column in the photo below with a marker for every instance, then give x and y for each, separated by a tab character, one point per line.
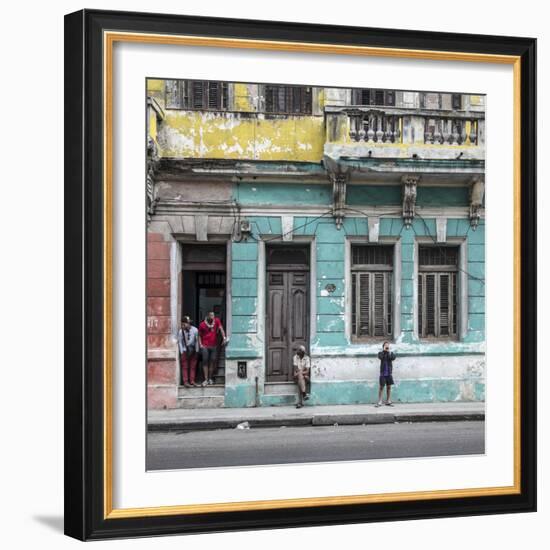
162	367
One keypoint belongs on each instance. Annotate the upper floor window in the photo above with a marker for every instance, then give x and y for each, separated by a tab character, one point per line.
437	291
433	100
288	99
371	289
371	96
200	95
430	100
456	100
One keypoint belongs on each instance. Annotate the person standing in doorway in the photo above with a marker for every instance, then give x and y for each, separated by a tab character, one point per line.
387	358
208	342
188	343
302	371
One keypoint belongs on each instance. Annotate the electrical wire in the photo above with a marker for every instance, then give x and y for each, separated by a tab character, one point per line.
434	239
293	230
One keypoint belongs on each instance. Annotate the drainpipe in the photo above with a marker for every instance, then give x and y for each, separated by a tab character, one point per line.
257	401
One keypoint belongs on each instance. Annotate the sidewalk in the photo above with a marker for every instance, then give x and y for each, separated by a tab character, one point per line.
211	419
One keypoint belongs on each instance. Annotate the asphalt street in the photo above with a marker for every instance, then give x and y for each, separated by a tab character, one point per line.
283	445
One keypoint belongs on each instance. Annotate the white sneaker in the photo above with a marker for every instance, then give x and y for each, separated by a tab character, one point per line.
210	381
204	384
379	404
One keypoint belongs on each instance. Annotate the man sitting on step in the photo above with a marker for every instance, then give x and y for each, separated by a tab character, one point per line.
302	371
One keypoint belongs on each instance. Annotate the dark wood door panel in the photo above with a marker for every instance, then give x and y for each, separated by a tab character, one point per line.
287	321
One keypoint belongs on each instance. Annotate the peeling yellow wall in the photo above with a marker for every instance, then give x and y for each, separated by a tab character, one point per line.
241	136
155	88
242	98
153	126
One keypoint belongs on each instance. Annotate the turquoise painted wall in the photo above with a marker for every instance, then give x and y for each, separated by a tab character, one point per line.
247	343
244	299
269	194
330	269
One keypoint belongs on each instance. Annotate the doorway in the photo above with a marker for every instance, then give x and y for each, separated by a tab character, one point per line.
204	289
287	308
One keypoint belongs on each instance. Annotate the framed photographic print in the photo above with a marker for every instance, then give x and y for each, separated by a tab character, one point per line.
296	256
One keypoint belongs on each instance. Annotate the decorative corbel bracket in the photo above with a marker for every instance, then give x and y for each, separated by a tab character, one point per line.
410	183
477	191
339	178
152	163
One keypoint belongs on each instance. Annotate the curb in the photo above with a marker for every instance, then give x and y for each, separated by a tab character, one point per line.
350	419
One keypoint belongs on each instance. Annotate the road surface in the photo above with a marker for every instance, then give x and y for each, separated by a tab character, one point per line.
256	446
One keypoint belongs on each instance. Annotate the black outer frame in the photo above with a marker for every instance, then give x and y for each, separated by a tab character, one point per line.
84	274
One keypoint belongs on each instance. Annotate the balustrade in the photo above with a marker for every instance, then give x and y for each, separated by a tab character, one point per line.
375	127
393	125
450	131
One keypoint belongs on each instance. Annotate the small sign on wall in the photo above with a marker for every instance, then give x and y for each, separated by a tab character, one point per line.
241	369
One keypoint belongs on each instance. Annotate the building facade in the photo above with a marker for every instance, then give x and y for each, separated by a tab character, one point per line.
329	217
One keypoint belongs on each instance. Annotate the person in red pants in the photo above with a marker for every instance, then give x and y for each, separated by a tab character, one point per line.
188	343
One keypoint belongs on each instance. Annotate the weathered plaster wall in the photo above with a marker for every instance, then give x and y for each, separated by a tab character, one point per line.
442	371
245	131
338	380
271	194
162	367
241	135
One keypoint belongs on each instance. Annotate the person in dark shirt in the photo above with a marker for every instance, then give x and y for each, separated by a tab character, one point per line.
387	358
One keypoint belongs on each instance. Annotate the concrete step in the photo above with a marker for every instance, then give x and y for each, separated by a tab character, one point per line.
280	388
199	392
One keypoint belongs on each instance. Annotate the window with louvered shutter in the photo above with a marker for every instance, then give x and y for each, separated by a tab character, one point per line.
199	95
371	282
288	99
368	96
437	287
456	101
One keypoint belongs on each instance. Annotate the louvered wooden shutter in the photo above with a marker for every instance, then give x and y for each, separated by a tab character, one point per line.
364	303
388	299
197	97
225	96
282	93
430	304
269	99
437	304
214	95
378	293
444	304
371	308
372	274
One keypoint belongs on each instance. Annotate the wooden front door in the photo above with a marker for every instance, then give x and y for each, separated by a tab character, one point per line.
287	318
